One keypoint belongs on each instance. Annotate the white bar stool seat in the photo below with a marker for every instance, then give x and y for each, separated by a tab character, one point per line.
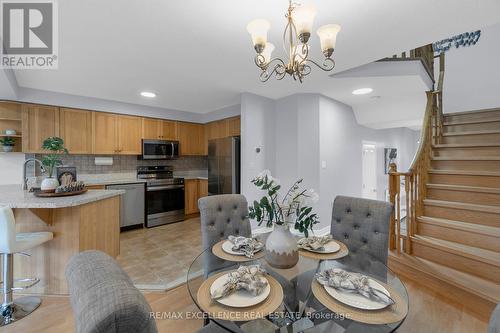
11	243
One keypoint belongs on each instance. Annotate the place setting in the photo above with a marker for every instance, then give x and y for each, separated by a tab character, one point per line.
362	298
239	249
243	294
322	248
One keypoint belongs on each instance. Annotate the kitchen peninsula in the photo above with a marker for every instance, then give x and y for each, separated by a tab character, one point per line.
81	222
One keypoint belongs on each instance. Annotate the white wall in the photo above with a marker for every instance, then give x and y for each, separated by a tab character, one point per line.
11	168
310	129
257	131
472	74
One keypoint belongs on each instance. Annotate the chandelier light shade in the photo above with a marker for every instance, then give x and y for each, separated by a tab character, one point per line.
297	64
258	30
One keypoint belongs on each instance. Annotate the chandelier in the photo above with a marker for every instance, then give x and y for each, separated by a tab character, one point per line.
295	42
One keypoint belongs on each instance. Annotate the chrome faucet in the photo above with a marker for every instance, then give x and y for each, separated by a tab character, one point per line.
25	179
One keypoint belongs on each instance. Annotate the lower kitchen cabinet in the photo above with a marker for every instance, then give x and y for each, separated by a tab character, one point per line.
193	190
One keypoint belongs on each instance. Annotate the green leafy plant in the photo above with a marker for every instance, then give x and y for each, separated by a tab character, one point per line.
7	141
292	208
54	145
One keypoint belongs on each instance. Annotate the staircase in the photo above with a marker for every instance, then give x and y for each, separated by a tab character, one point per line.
452	243
456	245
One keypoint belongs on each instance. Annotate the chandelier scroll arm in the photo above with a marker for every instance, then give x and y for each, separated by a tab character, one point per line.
328	64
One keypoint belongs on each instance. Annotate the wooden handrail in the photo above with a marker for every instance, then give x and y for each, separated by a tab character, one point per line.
415	179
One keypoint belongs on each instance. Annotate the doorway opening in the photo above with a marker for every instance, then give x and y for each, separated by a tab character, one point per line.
369	165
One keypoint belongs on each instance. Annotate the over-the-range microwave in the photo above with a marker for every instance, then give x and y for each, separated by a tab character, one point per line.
160	149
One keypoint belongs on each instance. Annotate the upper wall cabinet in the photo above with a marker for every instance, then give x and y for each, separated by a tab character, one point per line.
39	123
105	133
192	139
157	129
223	128
75	128
233	126
11	119
129	135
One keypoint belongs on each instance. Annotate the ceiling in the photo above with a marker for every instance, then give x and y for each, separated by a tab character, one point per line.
197	56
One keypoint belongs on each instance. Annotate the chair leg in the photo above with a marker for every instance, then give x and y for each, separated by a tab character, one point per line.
11	310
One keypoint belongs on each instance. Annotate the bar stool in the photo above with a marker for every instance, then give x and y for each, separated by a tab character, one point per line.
11	243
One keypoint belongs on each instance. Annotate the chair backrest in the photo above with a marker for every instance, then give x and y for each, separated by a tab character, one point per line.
222	216
103	297
7	230
494	326
363	225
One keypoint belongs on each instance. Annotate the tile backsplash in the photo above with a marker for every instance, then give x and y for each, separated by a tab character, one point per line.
85	164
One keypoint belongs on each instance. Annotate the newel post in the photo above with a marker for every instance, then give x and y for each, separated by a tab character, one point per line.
393	191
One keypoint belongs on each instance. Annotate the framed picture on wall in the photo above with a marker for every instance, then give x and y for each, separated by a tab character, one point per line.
66	175
390	155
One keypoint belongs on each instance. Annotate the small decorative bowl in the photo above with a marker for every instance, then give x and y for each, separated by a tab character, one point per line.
10	132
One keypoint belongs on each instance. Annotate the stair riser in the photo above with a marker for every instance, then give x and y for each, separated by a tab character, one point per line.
473	116
467	152
491	199
474	138
459	236
484	218
493	125
458	262
477	165
484	181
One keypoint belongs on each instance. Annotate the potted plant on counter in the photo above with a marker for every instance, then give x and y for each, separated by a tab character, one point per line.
7	143
55	147
294	208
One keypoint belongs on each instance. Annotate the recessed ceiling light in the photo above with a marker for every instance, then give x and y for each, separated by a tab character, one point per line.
148	94
362	91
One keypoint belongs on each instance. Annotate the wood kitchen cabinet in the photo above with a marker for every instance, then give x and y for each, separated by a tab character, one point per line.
129	135
116	134
193	190
192	139
158	129
38	122
223	128
233	126
75	128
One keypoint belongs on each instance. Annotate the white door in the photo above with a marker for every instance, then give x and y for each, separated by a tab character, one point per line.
369	162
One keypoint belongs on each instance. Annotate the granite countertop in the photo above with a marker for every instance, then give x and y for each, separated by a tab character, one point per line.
110	179
14	197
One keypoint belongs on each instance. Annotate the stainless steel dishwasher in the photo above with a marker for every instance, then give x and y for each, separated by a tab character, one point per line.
132	206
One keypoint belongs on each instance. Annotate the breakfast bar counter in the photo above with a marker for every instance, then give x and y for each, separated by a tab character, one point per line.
89	221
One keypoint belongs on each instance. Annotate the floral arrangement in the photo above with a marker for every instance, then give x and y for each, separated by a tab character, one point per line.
293	208
56	146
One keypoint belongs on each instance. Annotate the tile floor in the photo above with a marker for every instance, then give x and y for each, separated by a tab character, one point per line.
157	258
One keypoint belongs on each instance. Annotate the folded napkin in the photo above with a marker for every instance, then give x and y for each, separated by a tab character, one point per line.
344	281
248	278
248	246
315	243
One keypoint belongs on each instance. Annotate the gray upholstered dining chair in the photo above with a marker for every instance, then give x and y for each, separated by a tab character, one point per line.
363	225
222	216
494	325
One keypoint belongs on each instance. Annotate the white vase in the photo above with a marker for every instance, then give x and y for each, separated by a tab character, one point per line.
49	183
281	247
8	149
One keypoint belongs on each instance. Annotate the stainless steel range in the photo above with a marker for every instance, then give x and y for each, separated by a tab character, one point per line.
164	195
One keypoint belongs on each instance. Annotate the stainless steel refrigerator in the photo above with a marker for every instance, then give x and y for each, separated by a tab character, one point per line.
224	166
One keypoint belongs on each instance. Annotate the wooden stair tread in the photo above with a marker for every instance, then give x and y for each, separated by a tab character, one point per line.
471	133
459	225
465	172
471	112
466	158
463	205
467	145
464	188
471	121
484	288
474	253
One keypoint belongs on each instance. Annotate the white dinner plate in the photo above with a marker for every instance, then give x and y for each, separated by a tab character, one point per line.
356	300
240	298
330	247
227	247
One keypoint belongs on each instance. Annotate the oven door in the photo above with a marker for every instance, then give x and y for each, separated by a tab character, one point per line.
152	150
164	204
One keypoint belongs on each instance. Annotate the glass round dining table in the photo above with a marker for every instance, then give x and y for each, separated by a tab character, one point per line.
300	310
